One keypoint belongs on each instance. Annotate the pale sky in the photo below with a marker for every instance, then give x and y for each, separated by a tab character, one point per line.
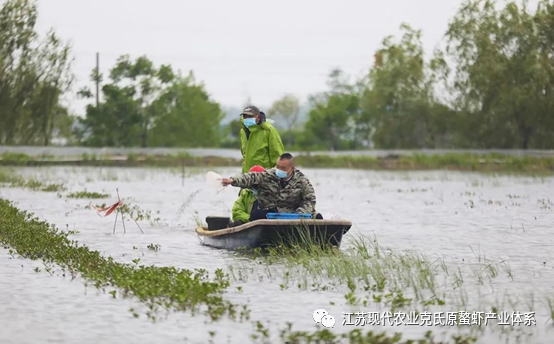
244	48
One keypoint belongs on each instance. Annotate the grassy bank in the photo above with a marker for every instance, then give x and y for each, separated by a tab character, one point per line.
450	161
158	287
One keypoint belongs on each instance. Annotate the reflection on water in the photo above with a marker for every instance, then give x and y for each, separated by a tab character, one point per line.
456	216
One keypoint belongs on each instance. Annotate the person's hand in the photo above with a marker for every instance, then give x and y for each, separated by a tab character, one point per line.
226	181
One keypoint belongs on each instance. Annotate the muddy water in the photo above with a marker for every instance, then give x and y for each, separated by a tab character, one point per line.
460	218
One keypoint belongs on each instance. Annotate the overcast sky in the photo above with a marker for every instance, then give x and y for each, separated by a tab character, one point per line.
241	49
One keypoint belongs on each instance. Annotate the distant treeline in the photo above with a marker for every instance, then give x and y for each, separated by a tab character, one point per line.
489	85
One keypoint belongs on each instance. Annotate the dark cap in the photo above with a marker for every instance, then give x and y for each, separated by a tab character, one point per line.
250	110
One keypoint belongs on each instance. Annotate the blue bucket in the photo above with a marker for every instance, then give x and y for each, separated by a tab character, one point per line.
288	216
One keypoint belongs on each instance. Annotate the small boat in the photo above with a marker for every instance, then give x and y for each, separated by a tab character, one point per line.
266	232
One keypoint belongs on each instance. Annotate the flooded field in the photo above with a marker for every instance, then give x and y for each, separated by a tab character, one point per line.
425	241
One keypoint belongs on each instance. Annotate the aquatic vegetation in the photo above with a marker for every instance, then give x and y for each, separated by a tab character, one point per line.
369	272
13	180
6	177
36	185
53	188
153	247
545	204
357	336
132	210
158	287
87	194
138	214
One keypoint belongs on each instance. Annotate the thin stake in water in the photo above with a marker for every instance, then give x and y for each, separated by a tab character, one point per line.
116	206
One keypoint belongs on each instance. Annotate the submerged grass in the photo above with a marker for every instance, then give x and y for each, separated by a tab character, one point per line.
87	194
358	336
13	180
379	275
368	273
158	287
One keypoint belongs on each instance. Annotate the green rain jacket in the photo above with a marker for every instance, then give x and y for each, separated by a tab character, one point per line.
261	147
243	205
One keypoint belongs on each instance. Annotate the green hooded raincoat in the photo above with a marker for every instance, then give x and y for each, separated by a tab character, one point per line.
262	147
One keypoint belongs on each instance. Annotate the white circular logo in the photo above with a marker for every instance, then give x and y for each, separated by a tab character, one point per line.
318	314
328	321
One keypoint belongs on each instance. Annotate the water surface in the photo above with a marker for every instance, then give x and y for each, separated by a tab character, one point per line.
459	217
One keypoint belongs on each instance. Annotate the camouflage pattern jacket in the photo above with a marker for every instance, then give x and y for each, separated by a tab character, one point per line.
294	195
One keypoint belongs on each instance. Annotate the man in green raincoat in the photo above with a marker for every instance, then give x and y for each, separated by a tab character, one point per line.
260	142
243	205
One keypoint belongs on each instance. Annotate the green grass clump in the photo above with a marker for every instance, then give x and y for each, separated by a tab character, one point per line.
87	194
157	287
52	188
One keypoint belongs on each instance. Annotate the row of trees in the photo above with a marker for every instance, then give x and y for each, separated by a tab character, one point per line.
490	85
34	73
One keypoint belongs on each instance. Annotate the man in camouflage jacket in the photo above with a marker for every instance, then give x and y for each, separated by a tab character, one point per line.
283	189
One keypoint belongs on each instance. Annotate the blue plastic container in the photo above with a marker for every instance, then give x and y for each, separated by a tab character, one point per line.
288	216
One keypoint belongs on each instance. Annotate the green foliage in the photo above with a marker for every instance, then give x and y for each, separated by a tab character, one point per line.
231	134
115	122
490	87
186	117
399	109
504	73
158	287
34	74
127	113
148	106
333	116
